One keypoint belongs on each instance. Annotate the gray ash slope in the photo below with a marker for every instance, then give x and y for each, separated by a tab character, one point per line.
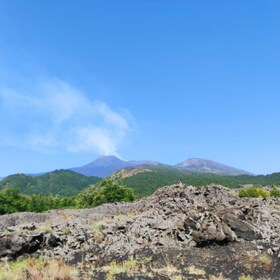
178	226
209	166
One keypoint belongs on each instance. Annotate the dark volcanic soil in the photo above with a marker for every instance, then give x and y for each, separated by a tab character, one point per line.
180	232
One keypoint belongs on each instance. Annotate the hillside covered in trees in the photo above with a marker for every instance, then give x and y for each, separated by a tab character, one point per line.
58	182
150	178
105	191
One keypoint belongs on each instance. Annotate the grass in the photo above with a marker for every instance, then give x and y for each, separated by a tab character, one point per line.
44	228
245	277
265	262
168	270
196	271
66	230
137	266
96	228
123	216
37	269
218	277
129	267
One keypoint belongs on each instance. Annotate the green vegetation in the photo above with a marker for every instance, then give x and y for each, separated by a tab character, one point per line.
67	189
145	183
275	192
254	192
271	179
259	192
12	200
245	277
30	268
44	228
105	191
59	182
127	267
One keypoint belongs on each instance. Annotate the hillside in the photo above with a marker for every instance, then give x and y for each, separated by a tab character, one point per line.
143	179
180	232
209	166
146	179
59	182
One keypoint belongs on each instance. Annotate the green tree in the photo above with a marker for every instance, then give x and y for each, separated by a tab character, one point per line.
105	191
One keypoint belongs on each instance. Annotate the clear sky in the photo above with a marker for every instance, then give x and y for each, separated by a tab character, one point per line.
147	79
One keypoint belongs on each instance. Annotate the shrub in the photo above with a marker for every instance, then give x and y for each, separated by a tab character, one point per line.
254	192
275	192
105	191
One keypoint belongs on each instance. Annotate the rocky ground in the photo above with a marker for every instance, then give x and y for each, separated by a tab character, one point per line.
180	232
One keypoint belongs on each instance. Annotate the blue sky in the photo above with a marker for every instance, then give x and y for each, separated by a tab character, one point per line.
150	79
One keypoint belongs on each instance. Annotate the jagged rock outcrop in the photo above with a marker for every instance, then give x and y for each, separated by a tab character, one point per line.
177	218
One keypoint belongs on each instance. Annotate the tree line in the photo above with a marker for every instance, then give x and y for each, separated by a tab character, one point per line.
105	191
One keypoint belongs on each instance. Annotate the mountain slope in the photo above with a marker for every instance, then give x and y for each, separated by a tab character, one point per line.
148	178
106	165
146	182
208	166
59	182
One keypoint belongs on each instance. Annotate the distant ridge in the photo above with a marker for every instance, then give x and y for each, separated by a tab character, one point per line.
208	166
58	182
106	165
